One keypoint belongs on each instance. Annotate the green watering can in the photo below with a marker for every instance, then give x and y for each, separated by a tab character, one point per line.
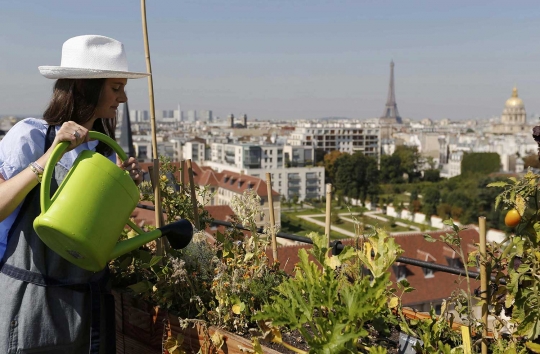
84	219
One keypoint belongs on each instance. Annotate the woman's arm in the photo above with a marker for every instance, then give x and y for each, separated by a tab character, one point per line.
14	190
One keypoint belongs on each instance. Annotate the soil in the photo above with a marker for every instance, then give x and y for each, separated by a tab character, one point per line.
295	339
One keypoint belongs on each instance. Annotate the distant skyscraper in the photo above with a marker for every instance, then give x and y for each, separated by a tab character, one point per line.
206	116
391	114
178	116
192	116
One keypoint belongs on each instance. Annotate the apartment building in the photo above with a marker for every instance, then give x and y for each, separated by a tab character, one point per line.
291	167
345	137
172	148
194	150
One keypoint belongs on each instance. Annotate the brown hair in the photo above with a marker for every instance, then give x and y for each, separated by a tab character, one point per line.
76	100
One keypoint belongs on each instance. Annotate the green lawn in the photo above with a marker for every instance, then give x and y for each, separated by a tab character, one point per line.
294	227
423	227
350	226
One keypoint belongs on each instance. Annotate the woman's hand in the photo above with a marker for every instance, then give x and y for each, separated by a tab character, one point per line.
71	132
131	165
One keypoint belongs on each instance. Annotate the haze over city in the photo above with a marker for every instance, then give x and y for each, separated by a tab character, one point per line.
290	59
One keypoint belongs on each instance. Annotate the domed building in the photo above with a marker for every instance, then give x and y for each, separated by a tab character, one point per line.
514	111
513	118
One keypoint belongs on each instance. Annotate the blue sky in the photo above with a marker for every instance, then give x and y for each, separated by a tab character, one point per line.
294	59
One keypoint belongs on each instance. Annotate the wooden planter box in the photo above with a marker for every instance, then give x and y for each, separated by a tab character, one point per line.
142	329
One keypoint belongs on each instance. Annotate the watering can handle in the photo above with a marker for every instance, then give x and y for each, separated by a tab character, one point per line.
45	197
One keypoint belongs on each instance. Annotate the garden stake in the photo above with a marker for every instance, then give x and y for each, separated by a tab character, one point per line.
193	195
466	336
182	178
154	180
272	217
483	281
158	214
328	212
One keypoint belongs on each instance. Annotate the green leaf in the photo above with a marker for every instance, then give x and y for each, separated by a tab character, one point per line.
141	287
155	260
126	263
497	201
248	256
535	348
428	238
220	237
377	350
404	283
145	256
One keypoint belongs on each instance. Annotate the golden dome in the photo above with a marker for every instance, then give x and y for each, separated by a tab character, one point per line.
514	101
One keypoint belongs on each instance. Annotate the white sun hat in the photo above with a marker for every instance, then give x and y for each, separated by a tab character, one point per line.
91	57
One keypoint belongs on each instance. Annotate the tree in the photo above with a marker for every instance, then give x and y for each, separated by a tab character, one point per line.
329	162
482	163
444	211
410	160
430	198
414	195
432	175
415	206
391	171
319	156
357	176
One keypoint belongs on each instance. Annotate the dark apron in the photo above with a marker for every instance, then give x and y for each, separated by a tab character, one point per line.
47	304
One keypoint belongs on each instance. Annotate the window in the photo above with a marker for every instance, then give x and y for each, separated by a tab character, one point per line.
454	262
400	271
428	273
452	258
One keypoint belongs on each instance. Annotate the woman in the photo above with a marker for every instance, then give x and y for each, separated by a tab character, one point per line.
48	304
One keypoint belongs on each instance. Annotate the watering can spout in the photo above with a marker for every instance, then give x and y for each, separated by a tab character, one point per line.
179	234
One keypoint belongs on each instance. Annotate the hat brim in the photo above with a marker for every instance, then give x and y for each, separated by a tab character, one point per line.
60	72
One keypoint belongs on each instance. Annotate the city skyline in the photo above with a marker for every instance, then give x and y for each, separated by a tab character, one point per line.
290	59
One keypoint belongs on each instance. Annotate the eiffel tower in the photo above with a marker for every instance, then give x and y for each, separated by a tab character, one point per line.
391	114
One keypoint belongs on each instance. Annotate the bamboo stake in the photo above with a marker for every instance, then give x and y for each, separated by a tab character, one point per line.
483	281
272	217
328	212
154	180
158	213
193	195
182	178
